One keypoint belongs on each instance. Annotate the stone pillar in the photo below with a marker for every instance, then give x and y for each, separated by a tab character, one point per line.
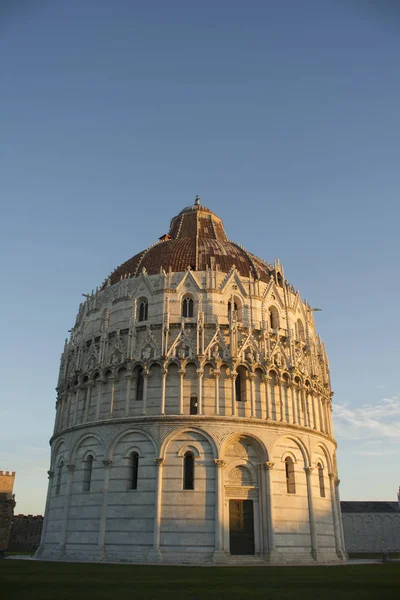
294	407
181	376
40	549
339	513
58	413
113	380
252	394
155	553
103	518
164	373
99	383
128	393
321	419
200	374
87	401
233	379
268	405
216	400
336	522
313	400
219	552
76	405
280	382
313	532
272	555
145	382
64	522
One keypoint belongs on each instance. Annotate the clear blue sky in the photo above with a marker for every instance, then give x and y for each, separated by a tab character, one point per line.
284	118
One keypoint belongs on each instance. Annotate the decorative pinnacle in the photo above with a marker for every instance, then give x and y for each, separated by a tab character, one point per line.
197	200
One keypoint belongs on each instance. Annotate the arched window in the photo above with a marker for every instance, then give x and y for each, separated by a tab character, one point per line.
139	385
193	405
188	471
143	309
240	385
321	480
134	470
187	307
235	309
59	476
273	317
300	331
87	473
290	481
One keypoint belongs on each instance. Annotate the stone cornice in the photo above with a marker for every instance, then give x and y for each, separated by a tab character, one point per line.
196	420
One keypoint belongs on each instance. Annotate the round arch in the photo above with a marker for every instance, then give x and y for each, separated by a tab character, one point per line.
81	440
122	434
260	445
179	431
302	447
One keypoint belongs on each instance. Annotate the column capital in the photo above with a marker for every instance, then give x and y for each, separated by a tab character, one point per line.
268	465
200	372
181	372
309	470
159	462
164	372
107	463
252	376
220	464
71	468
50	474
233	375
216	373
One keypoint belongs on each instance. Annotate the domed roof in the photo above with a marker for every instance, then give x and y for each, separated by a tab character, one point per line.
196	239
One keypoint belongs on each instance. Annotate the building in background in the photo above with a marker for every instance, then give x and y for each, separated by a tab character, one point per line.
7	504
193	418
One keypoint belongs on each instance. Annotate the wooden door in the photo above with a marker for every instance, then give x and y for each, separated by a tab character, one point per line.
241	527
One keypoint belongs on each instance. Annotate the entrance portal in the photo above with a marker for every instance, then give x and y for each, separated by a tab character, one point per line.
241	527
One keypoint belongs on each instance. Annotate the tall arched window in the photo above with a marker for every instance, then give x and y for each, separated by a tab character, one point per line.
290	481
321	480
143	309
300	331
187	307
240	385
134	470
87	473
273	317
235	309
188	471
193	405
59	476
139	385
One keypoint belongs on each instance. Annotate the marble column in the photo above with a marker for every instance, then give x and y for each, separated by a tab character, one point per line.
216	398
339	513
252	378
128	393
113	379
64	522
282	414
336	523
293	400
181	373
146	375
103	518
268	405
219	552
87	401
76	405
200	374
314	412
99	384
233	380
155	553
39	551
164	373
269	512
311	513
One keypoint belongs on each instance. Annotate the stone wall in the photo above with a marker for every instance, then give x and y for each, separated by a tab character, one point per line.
7	504
371	527
25	533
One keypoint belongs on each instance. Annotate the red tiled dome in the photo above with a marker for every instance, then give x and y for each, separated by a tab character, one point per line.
196	239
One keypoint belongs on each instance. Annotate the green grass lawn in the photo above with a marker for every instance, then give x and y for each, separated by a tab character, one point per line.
32	580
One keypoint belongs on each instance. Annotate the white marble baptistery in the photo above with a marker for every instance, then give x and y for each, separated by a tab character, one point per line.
193	417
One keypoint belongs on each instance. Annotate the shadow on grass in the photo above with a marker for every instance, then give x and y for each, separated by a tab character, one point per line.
65	581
